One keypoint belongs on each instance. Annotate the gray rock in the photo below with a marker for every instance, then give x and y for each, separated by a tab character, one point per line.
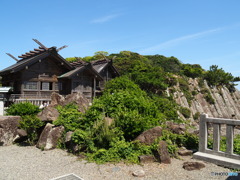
21	136
185	152
56	99
146	159
8	129
48	114
162	153
176	128
49	137
81	101
148	137
139	173
193	165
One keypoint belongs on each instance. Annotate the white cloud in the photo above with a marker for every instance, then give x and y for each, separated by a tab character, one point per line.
105	18
176	41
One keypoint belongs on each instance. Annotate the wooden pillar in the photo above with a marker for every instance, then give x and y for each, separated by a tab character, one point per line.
94	87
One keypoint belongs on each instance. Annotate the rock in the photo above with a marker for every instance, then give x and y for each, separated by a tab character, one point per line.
70	145
185	152
139	173
48	114
176	128
56	99
21	136
148	137
49	137
8	129
68	137
146	159
193	165
78	98
162	153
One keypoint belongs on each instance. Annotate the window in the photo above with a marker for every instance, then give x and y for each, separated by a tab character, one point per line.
46	86
30	85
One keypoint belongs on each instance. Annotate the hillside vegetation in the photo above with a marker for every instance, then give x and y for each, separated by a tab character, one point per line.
143	97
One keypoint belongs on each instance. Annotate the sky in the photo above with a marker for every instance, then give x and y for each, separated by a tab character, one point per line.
205	32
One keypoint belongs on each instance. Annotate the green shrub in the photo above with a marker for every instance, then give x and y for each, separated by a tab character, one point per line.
185	112
30	123
120	150
69	117
190	141
209	98
84	140
196	115
22	109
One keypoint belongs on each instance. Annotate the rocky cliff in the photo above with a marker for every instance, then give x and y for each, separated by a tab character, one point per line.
217	102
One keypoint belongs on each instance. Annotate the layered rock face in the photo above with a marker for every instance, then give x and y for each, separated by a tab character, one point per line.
226	104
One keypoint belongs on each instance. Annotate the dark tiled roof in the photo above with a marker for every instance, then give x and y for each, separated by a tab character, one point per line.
24	62
33	56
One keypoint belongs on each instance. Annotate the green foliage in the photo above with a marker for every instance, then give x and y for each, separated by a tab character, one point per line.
216	76
132	113
169	64
190	141
84	140
196	115
69	117
185	112
207	95
168	107
193	71
30	123
223	146
22	109
120	150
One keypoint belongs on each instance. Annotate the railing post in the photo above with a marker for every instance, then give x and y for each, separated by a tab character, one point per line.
203	133
229	139
216	137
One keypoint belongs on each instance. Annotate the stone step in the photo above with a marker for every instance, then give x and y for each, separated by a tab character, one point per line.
219	160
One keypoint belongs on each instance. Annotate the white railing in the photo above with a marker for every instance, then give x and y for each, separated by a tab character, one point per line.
32	98
214	155
217	122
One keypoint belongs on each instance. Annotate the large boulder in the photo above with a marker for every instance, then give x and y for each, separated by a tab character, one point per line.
50	136
176	128
148	137
56	99
48	114
81	101
162	153
8	129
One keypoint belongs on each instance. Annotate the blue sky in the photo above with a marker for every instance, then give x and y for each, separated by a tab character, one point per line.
196	32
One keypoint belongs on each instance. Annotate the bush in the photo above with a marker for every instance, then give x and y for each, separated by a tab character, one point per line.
22	109
30	123
120	150
196	115
69	117
185	112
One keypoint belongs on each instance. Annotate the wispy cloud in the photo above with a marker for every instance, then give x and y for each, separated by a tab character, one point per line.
179	40
105	18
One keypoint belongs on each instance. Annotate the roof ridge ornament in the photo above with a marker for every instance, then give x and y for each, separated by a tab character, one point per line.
61	48
40	44
12	56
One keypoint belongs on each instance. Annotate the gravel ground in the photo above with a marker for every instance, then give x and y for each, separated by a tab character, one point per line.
30	163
